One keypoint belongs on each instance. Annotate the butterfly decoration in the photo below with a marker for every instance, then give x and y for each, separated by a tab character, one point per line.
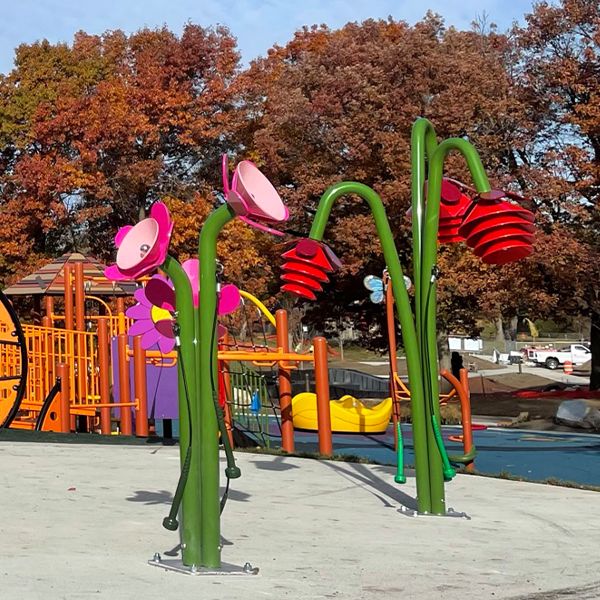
375	285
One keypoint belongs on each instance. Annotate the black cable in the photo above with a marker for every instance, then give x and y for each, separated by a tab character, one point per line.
232	471
224	497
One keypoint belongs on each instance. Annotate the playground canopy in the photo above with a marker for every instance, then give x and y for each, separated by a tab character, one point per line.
49	280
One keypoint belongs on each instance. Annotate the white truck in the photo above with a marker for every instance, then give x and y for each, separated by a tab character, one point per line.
552	358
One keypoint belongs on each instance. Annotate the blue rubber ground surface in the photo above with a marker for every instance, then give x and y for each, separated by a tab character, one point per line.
530	454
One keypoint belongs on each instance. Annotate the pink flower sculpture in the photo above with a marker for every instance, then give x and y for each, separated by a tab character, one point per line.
154	313
253	197
229	295
142	247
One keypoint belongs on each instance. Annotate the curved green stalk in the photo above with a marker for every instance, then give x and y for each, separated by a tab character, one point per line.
190	509
208	371
404	312
427	325
423	143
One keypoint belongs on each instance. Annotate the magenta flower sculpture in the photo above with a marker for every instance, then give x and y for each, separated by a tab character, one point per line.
142	247
229	295
153	315
253	197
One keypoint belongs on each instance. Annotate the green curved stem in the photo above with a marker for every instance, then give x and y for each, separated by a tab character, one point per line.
190	508
208	377
423	143
427	325
404	312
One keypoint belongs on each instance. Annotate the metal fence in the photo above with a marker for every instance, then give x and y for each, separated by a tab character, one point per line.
251	404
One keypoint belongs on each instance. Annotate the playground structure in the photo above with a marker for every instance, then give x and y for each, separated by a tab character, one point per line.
201	382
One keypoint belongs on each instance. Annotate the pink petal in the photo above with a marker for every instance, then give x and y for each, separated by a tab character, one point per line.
229	299
123	231
141	327
261	227
221	331
192	269
160	212
114	273
138	311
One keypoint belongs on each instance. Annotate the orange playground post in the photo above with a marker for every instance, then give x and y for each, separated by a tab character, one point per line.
80	347
393	356
126	421
79	298
64	405
285	384
465	409
69	318
104	373
226	379
322	389
121	315
48	308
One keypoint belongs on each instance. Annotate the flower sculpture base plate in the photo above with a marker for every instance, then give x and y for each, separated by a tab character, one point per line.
226	569
409	512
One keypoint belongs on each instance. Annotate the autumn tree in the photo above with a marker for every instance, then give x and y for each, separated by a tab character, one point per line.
91	134
335	105
559	80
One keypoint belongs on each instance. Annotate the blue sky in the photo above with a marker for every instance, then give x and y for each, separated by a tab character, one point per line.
257	25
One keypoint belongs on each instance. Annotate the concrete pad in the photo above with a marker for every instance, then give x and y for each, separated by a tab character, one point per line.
81	521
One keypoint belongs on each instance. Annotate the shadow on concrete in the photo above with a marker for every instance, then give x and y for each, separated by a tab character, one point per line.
166	497
151	498
363	477
277	463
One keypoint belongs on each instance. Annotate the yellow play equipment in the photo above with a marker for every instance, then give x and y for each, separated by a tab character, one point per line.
348	415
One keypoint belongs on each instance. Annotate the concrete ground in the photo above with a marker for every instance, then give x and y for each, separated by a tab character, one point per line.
80	521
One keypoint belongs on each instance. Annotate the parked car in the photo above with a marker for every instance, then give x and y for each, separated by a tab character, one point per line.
552	358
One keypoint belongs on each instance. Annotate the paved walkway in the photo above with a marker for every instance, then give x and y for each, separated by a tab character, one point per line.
554	375
80	522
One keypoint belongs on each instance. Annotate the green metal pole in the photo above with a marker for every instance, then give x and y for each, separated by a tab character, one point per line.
404	311
208	369
423	145
428	305
190	526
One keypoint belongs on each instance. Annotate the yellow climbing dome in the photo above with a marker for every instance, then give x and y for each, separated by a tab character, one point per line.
348	415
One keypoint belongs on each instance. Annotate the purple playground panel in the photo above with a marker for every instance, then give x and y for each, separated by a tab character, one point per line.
161	384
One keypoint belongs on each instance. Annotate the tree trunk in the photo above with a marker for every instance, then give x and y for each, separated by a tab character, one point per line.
595	347
499	330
